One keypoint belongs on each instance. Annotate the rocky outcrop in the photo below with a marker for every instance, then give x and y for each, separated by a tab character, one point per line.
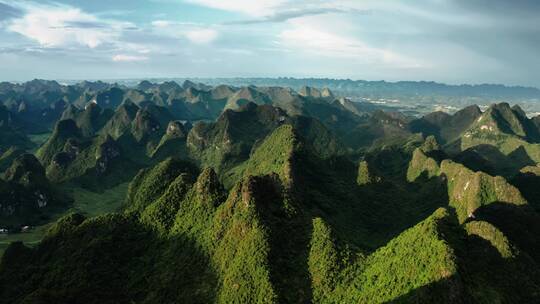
467	190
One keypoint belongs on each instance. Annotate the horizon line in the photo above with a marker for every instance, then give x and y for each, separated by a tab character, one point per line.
112	80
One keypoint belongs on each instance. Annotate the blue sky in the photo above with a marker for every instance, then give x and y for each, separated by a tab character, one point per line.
458	41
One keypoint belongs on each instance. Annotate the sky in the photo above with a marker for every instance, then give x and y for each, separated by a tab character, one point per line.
451	41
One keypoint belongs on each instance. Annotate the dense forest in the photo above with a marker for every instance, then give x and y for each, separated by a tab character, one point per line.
206	193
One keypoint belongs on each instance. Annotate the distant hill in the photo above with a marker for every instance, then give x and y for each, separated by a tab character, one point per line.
399	88
500	140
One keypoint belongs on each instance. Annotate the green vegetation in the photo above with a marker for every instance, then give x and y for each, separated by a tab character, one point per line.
275	154
84	202
30	238
39	139
149	184
470	190
314	202
11	134
9	156
365	174
26	195
467	190
93	204
494	236
64	130
324	261
421	164
399	267
446	128
228	142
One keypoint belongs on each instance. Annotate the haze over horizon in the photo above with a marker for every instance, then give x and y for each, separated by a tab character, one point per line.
246	80
451	42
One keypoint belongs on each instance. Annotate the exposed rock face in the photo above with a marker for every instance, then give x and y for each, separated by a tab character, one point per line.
176	129
351	106
106	152
310	92
467	190
144	125
470	190
326	93
120	123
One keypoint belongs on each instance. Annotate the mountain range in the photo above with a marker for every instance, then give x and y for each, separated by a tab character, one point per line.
264	194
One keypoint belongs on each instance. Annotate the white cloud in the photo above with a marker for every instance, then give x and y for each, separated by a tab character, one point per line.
59	25
261	11
161	23
202	36
236	51
313	36
128	58
257	8
131	47
194	32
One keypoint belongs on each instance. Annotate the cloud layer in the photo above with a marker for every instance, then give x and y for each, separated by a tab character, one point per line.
53	26
256	8
444	40
128	58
